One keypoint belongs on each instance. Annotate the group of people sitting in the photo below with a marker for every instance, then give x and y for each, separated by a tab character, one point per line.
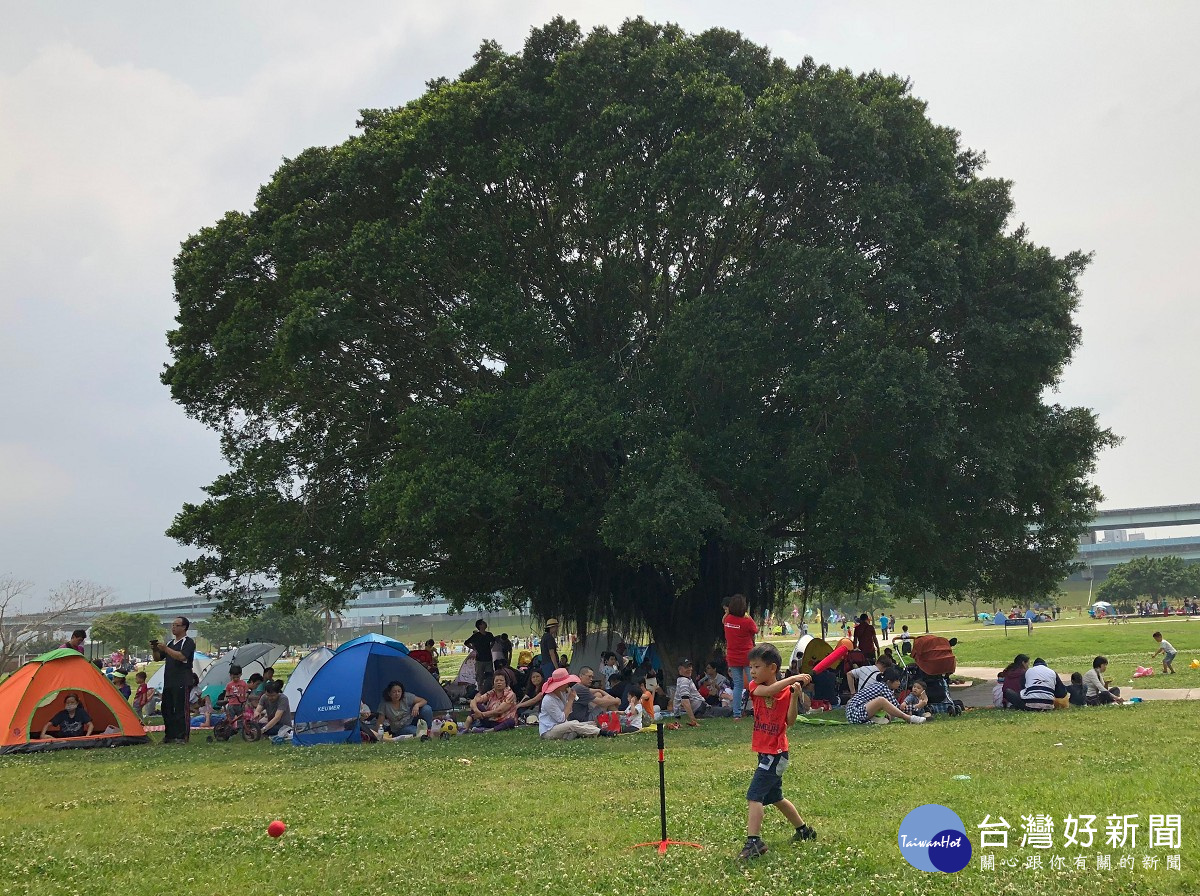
572	706
258	700
1038	687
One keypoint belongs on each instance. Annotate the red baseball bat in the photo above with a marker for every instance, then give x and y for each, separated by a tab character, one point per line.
844	646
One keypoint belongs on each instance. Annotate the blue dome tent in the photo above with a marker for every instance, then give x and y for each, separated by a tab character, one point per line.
372	638
356	674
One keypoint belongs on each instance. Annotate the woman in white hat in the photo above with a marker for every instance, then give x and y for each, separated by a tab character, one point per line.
558	695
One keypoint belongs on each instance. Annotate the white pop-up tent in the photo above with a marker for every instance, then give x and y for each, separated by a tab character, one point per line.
200	664
251	657
303	673
587	652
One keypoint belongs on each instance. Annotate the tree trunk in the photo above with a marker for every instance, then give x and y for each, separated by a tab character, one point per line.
688	624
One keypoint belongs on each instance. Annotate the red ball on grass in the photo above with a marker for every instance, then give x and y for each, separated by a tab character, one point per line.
276	828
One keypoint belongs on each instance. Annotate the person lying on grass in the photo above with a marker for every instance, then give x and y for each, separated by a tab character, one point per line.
876	697
494	709
72	721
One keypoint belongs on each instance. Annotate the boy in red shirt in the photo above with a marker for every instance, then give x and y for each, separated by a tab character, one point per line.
236	694
775	707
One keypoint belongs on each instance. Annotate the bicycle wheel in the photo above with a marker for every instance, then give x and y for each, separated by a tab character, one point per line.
251	732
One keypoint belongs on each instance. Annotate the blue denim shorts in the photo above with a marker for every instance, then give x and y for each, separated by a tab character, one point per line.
766	786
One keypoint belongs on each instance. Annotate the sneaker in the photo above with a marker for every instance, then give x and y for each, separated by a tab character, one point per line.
804	832
753	849
916	720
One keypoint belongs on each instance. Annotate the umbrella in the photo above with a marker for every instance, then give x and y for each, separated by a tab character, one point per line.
252	658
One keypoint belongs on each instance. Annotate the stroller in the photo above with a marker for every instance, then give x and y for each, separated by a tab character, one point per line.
932	664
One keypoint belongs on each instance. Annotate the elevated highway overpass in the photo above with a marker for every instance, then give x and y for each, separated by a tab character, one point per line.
1146	517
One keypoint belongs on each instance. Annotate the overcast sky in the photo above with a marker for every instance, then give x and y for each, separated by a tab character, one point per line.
126	127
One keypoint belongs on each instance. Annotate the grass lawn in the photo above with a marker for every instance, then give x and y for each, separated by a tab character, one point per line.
510	814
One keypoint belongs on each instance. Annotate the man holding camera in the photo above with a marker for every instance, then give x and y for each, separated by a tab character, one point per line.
177	655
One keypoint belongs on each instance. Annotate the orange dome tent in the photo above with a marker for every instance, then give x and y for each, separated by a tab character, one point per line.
32	695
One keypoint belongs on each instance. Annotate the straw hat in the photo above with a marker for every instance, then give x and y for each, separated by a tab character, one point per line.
560	678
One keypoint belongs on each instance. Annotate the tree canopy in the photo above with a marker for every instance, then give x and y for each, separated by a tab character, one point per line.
124	630
289	629
223	631
1153	578
624	323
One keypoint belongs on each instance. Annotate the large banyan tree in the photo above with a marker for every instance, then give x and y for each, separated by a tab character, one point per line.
626	323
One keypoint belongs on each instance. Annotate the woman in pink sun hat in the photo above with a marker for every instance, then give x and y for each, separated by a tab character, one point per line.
558	695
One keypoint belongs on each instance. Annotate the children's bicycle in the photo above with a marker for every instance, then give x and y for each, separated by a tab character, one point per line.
235	723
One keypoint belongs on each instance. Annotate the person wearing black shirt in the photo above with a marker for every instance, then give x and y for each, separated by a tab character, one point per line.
72	721
481	643
177	655
549	659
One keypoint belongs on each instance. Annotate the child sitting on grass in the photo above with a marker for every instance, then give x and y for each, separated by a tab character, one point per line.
632	715
1075	690
917	700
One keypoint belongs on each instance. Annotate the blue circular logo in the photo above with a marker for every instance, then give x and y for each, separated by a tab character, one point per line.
933	838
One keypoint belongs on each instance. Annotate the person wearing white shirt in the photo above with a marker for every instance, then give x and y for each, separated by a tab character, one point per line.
864	675
1042	685
1168	652
687	695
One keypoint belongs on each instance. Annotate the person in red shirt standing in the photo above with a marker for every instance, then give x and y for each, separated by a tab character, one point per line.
864	637
739	638
775	707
